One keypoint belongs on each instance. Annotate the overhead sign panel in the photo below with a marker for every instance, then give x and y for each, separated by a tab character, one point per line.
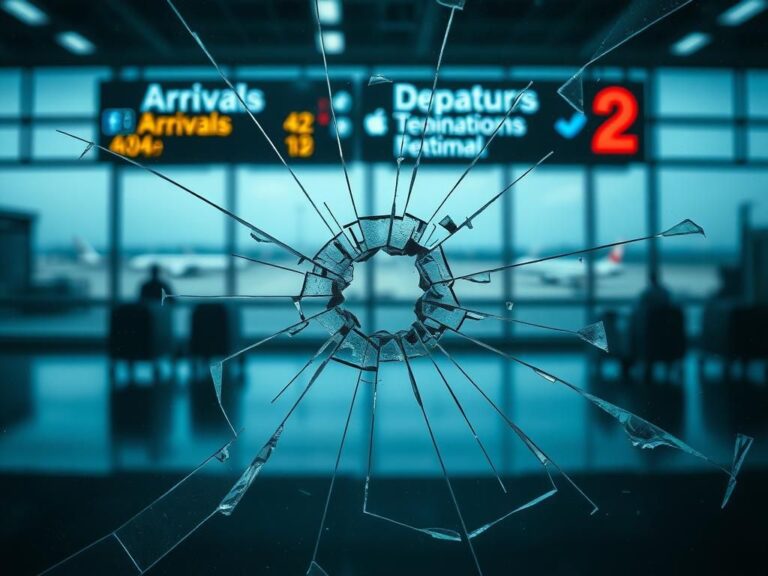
465	115
204	122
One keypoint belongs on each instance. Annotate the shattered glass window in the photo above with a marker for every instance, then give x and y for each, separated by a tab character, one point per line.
422	378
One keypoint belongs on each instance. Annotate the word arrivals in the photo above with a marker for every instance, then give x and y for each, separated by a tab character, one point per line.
198	99
179	124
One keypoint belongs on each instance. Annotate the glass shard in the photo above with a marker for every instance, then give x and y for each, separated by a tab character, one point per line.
316	570
298	329
449	224
572	91
595	334
223	454
457	4
259	237
233	497
740	449
641	433
684	228
638	16
546	375
88	148
217	370
479	278
529	504
152	533
443	534
377	79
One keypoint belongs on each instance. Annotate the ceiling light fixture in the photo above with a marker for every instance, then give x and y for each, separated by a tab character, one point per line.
739	13
333	40
690	43
329	11
75	43
26	12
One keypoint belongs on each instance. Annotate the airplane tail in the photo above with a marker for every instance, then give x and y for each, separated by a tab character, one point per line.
617	254
86	254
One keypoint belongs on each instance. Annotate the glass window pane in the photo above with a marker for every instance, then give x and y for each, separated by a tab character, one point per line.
64	91
548	220
621	215
69	206
757	93
9	142
676	142
710	197
49	144
10	92
165	226
758	143
682	92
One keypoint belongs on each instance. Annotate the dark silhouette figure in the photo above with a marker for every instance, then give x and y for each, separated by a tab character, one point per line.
152	290
654	295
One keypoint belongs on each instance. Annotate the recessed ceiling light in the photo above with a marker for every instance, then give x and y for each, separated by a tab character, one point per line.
329	11
333	41
690	43
26	12
75	43
739	13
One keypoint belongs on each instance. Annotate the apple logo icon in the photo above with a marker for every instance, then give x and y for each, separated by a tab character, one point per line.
376	123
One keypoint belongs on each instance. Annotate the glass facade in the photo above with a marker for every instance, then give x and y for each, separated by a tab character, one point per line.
708	144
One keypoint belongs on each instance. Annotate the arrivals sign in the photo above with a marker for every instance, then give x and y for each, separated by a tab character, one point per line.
464	116
204	122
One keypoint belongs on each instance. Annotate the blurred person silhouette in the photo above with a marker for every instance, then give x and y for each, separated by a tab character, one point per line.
655	294
153	288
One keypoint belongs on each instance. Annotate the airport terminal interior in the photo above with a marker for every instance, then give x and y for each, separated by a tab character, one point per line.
189	190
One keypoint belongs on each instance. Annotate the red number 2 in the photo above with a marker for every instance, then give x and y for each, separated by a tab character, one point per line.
611	137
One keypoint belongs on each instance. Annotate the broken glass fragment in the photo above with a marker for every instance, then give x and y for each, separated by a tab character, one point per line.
468	221
316	570
233	497
740	449
546	375
479	278
152	533
297	303
443	534
217	369
377	79
684	228
449	224
638	16
457	4
595	334
298	329
223	454
260	237
88	148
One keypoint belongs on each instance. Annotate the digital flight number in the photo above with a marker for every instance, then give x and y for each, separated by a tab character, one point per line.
611	137
133	146
300	127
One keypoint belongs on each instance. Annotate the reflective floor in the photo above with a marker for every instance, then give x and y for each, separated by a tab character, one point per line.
83	446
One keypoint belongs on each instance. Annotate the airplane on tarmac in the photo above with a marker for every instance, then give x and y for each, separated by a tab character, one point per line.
175	265
573	272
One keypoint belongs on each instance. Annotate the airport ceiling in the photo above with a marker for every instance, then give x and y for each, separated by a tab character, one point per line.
252	32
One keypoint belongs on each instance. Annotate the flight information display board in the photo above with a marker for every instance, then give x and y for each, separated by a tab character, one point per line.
465	114
203	122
